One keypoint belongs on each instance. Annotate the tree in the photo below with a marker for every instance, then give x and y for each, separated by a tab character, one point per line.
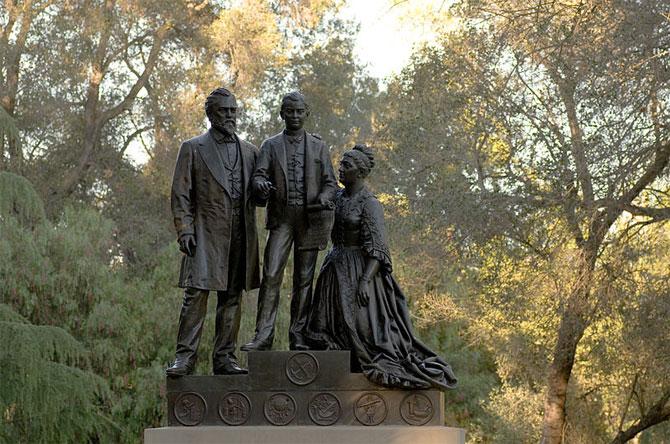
85	81
87	331
17	18
547	125
341	95
44	366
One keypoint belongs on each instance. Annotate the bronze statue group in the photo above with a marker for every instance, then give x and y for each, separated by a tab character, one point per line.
356	305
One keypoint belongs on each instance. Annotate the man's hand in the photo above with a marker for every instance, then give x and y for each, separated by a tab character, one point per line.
265	187
325	202
187	244
363	291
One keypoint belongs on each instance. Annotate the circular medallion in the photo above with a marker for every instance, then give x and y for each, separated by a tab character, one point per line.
416	409
189	409
279	409
370	409
234	408
324	409
302	368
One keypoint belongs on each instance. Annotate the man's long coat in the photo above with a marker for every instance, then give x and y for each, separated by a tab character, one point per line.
201	205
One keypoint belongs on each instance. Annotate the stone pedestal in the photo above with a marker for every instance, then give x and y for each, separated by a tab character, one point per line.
305	435
300	397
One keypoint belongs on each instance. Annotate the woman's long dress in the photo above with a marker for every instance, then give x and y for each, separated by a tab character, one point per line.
379	335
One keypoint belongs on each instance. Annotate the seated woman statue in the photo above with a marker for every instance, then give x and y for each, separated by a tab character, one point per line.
357	304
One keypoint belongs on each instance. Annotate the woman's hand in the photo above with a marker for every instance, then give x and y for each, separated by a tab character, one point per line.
363	291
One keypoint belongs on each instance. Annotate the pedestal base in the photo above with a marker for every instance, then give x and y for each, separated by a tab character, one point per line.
305	435
314	388
309	397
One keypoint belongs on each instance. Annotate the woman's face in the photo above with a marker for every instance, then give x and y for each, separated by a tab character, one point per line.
348	171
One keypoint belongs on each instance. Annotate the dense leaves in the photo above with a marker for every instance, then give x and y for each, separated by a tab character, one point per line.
535	137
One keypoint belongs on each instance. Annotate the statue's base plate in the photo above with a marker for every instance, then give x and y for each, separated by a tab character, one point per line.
305	435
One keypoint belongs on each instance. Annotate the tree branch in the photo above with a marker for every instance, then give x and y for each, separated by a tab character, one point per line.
8	98
661	158
658	413
94	119
125	104
131	137
11	19
92	123
566	90
625	410
604	220
657	214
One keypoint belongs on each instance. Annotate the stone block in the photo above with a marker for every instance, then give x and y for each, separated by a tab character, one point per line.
305	435
297	389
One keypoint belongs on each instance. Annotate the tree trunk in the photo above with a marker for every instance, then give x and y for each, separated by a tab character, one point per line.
94	118
574	321
570	333
13	67
92	123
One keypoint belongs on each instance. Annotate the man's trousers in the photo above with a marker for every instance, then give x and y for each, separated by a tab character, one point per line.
228	308
277	249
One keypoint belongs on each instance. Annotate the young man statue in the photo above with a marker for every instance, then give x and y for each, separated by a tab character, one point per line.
293	174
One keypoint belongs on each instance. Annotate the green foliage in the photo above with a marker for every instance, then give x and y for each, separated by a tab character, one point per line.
474	369
515	416
44	368
20	200
96	338
514	140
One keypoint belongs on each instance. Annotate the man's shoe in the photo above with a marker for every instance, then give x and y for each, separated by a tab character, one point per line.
229	366
298	346
257	345
180	368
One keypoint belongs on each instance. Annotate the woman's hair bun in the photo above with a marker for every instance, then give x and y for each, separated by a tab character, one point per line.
368	152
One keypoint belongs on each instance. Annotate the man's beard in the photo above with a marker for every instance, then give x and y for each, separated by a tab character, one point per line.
225	126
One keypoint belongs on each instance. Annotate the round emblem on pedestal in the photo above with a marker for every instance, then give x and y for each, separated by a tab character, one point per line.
234	408
416	409
324	409
189	409
370	409
279	409
302	368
